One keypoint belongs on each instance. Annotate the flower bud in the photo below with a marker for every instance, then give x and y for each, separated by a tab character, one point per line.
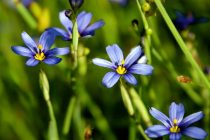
76	4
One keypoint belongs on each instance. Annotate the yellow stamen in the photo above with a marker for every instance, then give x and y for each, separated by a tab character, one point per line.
39	56
121	70
175	128
40	46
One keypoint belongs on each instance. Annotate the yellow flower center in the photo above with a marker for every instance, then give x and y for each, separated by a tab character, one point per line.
121	69
39	56
175	128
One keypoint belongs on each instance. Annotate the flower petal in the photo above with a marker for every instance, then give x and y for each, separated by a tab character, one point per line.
160	117
84	22
57	51
60	32
130	78
90	30
115	54
133	56
65	21
47	39
103	63
195	132
110	79
22	51
191	119
175	136
32	62
176	112
156	131
29	42
142	69
52	60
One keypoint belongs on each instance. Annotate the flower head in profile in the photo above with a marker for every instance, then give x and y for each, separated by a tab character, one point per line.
122	67
83	22
41	51
76	4
175	126
182	21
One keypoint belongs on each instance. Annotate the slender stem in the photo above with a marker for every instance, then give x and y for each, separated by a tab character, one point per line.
75	40
181	43
147	38
141	130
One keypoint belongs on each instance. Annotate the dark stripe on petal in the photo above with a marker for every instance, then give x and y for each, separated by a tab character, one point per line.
160	117
65	21
110	79
57	51
29	42
32	62
115	54
133	56
103	63
195	132
130	78
52	60
142	69
191	119
22	51
156	131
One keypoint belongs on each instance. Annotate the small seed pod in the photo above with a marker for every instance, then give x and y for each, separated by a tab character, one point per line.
146	7
76	4
183	79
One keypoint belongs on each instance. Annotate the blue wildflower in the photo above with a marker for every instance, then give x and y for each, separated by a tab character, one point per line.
182	21
121	2
175	126
120	67
83	21
27	2
41	51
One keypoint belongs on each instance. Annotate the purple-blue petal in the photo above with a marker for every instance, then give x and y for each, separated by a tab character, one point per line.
57	51
160	117
32	62
110	79
176	112
47	39
130	78
142	69
195	133
66	22
175	136
52	60
90	30
84	22
103	63
115	54
191	119
133	56
29	42
156	131
80	18
22	51
60	32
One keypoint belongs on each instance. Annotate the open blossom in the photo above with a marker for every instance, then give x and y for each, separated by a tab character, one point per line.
83	22
122	67
175	126
41	51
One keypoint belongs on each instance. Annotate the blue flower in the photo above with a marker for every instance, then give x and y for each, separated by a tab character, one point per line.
122	67
121	2
41	51
182	21
83	21
27	2
175	126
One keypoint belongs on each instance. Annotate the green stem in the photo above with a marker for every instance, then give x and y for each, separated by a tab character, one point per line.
147	38
68	117
141	130
181	43
74	47
26	15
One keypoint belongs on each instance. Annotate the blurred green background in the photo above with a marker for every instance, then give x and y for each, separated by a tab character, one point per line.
23	111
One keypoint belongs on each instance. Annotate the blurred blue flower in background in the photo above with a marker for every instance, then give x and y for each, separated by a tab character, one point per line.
27	2
121	2
121	67
182	21
175	126
40	52
83	21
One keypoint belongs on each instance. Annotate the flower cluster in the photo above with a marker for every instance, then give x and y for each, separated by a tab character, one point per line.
122	67
175	126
